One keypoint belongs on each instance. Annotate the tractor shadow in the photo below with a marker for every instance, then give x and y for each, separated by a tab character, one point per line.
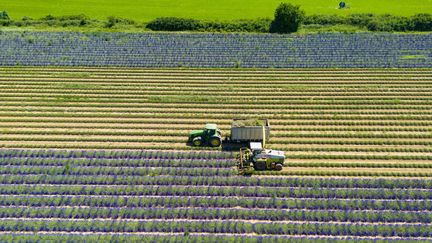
226	146
229	146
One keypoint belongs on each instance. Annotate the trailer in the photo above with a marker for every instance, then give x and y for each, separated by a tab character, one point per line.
250	130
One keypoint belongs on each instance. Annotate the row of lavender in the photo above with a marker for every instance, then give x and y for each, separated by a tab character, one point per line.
194	238
140	192
215	50
113	154
141	159
221	226
218	202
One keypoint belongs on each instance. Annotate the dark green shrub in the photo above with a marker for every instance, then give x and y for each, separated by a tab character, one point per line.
389	23
258	25
83	22
361	20
396	23
115	20
4	15
5	22
48	17
65	21
110	23
174	24
20	23
421	22
27	21
74	20
26	18
320	19
288	18
4	19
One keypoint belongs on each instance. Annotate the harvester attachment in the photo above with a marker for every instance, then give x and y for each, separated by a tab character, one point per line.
244	162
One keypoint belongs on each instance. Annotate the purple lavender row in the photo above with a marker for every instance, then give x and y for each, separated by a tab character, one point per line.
114	154
334	50
114	171
220	226
191	237
136	162
169	213
6	156
215	202
191	190
217	181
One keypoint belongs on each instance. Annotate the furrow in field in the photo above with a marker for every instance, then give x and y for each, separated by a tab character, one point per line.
391	122
285	94
218	77
225	127
278	135
349	162
226	90
113	78
306	110
167	86
296	104
227	81
138	91
127	70
216	116
209	72
356	170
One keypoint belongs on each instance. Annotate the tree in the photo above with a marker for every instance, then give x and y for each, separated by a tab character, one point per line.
4	15
111	22
288	18
422	22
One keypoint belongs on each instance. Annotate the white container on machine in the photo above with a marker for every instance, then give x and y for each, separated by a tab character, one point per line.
243	130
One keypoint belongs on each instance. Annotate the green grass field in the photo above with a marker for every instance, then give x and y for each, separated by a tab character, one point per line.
145	10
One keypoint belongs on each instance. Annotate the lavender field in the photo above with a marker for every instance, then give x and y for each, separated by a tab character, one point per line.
133	196
93	130
364	50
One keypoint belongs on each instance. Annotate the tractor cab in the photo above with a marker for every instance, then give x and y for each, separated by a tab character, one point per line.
210	135
211	130
256	147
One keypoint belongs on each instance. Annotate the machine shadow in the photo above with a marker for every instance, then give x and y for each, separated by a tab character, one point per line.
229	146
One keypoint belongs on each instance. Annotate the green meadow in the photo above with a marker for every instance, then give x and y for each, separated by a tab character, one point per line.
145	10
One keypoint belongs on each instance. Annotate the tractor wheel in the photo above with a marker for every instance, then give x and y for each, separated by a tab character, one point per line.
215	141
197	141
260	165
278	167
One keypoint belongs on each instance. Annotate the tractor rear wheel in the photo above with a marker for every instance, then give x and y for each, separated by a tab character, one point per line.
197	141
278	167
215	141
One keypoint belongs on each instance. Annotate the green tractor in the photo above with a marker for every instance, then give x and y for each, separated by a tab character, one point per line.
211	136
